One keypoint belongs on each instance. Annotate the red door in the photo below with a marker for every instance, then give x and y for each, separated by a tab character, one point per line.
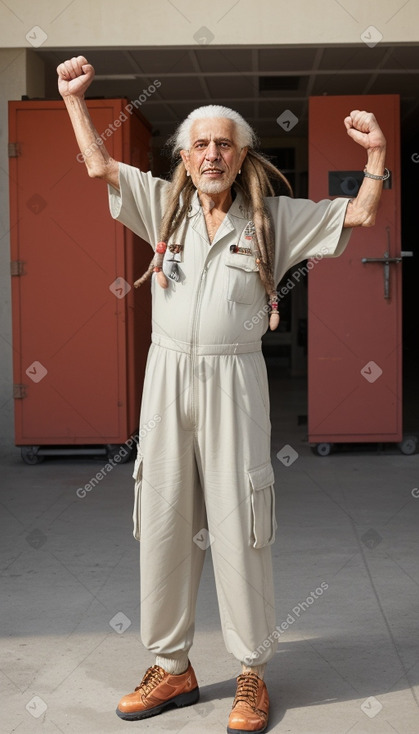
355	355
78	356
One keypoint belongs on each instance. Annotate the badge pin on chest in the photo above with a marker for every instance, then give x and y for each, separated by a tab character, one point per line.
249	231
174	272
176	250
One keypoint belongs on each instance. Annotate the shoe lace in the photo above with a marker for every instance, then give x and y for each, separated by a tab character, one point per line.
247	689
151	679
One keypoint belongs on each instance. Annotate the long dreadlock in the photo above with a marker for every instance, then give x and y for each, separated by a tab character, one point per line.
255	182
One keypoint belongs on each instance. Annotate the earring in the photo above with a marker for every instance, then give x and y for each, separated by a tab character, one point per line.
187	173
240	170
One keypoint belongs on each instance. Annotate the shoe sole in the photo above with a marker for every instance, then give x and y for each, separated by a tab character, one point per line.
246	731
183	699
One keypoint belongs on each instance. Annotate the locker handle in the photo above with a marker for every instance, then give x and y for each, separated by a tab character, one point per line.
387	260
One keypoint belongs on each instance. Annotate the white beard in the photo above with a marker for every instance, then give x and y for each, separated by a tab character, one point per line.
214	187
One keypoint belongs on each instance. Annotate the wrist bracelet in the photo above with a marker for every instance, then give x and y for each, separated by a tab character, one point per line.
377	178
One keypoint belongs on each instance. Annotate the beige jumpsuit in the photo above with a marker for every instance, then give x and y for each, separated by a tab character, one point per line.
203	474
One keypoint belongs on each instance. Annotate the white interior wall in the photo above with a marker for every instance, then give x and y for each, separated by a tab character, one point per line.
178	22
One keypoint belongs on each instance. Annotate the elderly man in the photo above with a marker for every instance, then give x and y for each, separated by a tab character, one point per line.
203	476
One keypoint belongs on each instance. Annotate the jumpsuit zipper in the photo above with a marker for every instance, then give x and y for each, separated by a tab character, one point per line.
195	341
195	323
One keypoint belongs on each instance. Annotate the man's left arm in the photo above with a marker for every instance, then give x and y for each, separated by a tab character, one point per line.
364	129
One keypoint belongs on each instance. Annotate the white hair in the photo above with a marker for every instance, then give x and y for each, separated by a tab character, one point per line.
181	139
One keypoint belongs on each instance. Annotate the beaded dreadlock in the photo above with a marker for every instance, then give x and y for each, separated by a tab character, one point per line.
255	183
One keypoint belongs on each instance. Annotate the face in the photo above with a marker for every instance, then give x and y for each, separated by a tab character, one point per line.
214	158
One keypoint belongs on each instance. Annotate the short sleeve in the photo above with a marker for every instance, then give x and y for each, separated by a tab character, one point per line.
304	229
139	203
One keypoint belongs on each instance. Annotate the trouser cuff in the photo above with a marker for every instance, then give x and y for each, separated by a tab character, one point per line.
174	666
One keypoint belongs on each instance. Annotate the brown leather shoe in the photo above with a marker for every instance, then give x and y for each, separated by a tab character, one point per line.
159	690
250	706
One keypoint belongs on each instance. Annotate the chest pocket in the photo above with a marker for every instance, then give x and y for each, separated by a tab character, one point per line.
242	278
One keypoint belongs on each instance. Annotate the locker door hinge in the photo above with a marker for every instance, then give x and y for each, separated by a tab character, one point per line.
13	150
19	392
17	267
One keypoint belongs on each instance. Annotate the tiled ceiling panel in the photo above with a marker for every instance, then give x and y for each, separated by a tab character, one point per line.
392	84
180	88
350	57
232	87
286	59
403	58
272	109
160	60
225	60
338	84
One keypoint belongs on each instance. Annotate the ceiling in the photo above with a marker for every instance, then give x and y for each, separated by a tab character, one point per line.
260	83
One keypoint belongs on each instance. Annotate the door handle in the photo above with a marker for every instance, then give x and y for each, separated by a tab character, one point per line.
386	258
387	261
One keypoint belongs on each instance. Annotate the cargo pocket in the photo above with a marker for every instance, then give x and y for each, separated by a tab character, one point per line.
136	515
263	505
242	276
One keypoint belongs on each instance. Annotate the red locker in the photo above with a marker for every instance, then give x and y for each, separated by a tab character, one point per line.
80	331
355	301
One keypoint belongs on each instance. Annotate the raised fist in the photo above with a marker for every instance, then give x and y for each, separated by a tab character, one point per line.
74	76
364	129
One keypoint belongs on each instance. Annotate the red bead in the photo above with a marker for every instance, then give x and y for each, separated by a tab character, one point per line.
161	248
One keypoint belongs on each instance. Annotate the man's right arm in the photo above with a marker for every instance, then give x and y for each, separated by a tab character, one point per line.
74	77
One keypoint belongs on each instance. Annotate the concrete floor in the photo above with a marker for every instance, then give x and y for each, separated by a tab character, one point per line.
349	661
